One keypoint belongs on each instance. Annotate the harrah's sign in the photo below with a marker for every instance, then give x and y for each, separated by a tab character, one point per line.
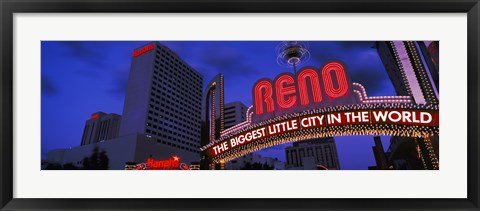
288	93
141	51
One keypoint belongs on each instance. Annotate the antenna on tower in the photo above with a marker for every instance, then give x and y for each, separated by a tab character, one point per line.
292	54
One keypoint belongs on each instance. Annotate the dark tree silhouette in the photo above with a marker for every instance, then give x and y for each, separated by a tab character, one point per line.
69	166
98	160
53	166
103	160
86	163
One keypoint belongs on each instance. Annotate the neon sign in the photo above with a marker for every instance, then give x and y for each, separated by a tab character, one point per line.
184	166
143	50
171	164
317	103
288	91
94	116
421	122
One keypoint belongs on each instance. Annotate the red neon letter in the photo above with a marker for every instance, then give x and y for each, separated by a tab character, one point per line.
342	88
283	90
314	83
267	97
143	50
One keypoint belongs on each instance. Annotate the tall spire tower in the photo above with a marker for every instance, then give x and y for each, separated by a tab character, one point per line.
292	54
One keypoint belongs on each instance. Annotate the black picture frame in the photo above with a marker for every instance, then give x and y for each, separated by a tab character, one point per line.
10	7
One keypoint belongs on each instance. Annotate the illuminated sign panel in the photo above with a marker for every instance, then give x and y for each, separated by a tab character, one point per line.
315	103
171	164
290	93
417	122
143	50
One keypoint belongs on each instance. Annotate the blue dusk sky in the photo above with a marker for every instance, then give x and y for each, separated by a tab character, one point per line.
83	77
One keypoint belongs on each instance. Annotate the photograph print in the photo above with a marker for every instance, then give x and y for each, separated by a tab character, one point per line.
240	105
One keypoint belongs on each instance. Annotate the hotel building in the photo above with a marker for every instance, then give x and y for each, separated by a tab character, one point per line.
312	154
161	115
163	100
235	113
100	127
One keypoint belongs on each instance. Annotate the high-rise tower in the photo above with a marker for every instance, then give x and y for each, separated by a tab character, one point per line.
408	71
100	127
318	153
212	116
163	99
411	74
235	113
